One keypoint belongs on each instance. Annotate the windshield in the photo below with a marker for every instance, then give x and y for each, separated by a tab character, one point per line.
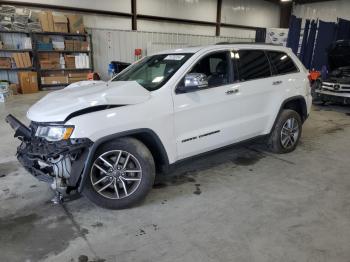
154	71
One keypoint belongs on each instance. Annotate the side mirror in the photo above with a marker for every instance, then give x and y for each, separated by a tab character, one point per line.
192	82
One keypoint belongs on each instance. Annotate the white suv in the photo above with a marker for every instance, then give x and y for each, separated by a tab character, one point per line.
109	139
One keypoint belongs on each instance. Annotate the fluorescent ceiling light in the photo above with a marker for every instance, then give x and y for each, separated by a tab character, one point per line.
286	0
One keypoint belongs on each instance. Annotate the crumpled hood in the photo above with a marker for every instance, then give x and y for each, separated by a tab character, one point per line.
58	105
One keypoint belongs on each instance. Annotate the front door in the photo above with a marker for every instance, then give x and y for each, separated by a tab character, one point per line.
206	118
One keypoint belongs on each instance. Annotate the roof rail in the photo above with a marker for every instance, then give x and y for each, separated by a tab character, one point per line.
243	43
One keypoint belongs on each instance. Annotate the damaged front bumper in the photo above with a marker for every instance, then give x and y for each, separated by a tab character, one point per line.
50	162
333	92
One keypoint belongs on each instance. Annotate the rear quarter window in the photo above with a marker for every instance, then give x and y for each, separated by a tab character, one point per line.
281	63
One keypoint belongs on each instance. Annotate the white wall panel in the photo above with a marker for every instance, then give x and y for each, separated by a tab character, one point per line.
326	11
203	10
118	45
123	6
250	12
235	32
107	22
166	27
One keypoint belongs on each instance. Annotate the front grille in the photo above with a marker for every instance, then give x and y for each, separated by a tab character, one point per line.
335	87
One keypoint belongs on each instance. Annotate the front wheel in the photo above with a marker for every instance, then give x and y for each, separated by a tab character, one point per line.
285	136
121	175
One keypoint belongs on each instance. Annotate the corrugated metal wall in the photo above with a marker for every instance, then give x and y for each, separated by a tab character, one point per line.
119	45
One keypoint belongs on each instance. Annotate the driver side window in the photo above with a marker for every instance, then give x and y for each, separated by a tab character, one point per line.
215	67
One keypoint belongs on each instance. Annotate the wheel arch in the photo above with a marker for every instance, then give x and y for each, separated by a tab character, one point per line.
145	135
296	103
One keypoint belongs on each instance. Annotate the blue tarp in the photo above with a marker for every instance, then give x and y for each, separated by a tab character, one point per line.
305	37
325	36
343	30
294	33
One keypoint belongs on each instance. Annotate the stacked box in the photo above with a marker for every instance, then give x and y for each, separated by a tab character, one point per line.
49	60
69	45
85	46
46	21
60	23
76	77
28	82
22	60
49	80
70	61
76	24
77	45
5	62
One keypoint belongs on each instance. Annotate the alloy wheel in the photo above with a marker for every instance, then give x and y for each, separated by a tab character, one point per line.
290	133
116	174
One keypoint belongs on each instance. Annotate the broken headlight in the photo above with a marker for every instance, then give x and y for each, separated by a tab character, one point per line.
54	133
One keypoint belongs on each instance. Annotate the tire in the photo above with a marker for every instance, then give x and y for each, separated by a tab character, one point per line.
278	141
104	171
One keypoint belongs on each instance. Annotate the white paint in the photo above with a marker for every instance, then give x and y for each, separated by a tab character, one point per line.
242	115
250	12
202	10
326	11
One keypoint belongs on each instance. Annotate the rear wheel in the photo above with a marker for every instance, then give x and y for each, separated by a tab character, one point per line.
121	175
286	133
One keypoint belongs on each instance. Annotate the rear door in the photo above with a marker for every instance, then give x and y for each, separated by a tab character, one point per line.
256	91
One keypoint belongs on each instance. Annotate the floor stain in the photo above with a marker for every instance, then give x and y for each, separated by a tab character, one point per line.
141	232
84	258
97	224
247	158
175	180
35	231
8	168
334	129
198	189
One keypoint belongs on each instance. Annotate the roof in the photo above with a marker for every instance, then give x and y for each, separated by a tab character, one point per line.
219	46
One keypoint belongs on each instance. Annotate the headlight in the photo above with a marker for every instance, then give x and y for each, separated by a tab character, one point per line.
54	133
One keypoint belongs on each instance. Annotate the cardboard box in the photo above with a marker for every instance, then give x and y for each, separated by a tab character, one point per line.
77	45
28	82
22	60
81	75
76	24
76	79
70	61
49	60
60	23
46	21
69	45
85	46
46	80
5	62
14	89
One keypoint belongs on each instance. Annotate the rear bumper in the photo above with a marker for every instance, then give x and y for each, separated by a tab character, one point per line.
37	154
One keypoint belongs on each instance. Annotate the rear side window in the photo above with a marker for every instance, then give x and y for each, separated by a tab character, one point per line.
281	63
252	64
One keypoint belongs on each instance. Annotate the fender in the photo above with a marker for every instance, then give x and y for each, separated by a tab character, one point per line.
88	162
304	114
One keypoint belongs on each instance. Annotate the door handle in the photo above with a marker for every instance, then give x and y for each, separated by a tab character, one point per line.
232	91
277	83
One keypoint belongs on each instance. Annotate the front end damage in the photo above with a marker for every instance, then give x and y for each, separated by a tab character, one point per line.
59	163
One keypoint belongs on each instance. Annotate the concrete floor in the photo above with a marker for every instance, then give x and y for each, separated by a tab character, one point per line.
240	204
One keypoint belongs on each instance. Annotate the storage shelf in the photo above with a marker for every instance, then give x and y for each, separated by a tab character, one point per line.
62	51
59	33
17	69
14	32
16	50
66	69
